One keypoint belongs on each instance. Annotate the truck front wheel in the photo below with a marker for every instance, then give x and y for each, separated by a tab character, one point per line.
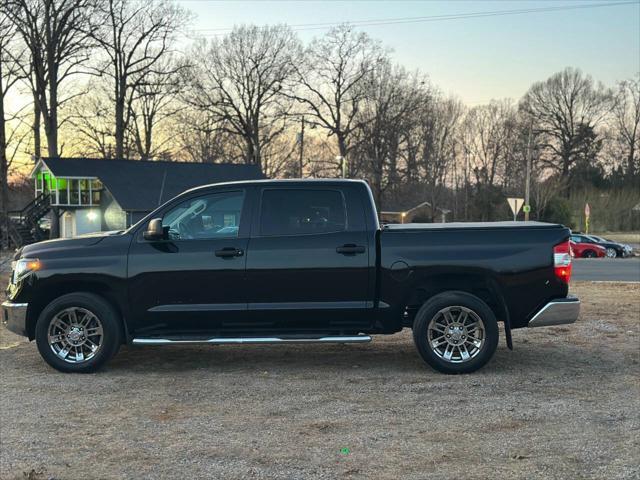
455	332
78	332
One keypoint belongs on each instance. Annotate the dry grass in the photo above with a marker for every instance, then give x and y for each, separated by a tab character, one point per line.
622	237
564	404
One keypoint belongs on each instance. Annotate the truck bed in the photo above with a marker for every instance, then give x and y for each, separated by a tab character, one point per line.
514	258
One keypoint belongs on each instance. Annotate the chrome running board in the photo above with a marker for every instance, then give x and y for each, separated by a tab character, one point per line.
252	340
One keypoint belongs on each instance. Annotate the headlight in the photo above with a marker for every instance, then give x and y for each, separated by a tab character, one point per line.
23	267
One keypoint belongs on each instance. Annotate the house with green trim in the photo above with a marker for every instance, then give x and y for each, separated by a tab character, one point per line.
86	195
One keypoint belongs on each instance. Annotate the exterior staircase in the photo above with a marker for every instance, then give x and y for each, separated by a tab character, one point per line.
24	225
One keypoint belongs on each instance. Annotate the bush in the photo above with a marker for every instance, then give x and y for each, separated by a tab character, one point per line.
558	210
611	210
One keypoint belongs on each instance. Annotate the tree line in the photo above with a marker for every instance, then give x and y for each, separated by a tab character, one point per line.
120	79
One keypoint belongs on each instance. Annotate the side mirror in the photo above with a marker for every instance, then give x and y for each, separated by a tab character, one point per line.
154	230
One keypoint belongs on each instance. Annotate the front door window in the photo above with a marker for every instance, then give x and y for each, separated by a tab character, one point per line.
210	216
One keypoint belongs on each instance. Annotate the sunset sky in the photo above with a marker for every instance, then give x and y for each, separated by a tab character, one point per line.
476	58
496	52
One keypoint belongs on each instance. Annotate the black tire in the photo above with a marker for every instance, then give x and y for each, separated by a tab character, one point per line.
100	308
589	254
455	299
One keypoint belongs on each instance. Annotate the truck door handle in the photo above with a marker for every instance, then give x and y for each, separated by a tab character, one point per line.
350	249
229	252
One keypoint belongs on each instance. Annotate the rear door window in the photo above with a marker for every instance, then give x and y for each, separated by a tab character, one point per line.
302	212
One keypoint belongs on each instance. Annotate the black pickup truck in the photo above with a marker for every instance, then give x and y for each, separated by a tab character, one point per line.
281	261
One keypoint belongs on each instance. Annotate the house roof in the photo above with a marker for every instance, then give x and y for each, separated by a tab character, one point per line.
143	185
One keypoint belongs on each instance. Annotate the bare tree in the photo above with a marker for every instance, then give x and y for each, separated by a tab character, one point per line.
9	76
626	124
543	190
438	132
55	33
153	103
563	108
320	154
332	80
384	117
136	36
241	79
492	131
280	157
91	117
200	138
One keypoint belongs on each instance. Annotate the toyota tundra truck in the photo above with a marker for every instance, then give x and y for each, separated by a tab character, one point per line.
289	261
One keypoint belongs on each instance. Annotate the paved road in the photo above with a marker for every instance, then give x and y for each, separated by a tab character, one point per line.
606	269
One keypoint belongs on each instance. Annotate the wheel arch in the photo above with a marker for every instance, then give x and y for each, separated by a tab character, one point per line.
482	285
51	292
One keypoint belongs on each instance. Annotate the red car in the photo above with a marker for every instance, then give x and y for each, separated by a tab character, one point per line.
586	250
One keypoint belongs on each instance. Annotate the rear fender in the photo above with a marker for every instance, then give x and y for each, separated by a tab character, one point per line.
482	285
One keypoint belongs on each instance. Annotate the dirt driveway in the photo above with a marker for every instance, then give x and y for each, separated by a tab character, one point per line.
564	404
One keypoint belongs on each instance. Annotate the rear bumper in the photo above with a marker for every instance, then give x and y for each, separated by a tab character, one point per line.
558	312
14	317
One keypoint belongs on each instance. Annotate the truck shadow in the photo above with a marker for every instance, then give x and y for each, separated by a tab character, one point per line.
390	358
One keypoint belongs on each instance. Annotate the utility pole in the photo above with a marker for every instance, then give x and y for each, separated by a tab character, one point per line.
527	185
466	183
302	147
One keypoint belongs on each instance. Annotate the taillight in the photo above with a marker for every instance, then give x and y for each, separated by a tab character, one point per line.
562	261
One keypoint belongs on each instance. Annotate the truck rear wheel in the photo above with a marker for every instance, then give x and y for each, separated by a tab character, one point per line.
455	332
78	332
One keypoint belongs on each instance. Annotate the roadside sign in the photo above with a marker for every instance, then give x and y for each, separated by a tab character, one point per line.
516	204
587	214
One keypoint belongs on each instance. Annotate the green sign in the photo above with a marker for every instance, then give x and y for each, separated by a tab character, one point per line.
526	208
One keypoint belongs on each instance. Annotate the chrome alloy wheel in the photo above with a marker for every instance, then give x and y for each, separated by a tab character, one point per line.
456	334
611	253
75	335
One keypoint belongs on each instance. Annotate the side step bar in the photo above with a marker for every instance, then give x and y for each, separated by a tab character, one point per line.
251	340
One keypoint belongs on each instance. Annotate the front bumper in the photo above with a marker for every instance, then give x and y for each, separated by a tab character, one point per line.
557	312
14	317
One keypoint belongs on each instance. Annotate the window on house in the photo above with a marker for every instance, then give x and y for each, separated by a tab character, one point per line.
74	192
96	191
63	194
84	192
302	212
46	182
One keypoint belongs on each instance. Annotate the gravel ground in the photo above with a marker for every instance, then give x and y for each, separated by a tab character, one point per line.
564	404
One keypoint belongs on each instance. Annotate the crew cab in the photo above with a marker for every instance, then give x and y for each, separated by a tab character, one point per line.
289	261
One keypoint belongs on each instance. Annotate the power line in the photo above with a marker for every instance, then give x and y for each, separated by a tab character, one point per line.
430	18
